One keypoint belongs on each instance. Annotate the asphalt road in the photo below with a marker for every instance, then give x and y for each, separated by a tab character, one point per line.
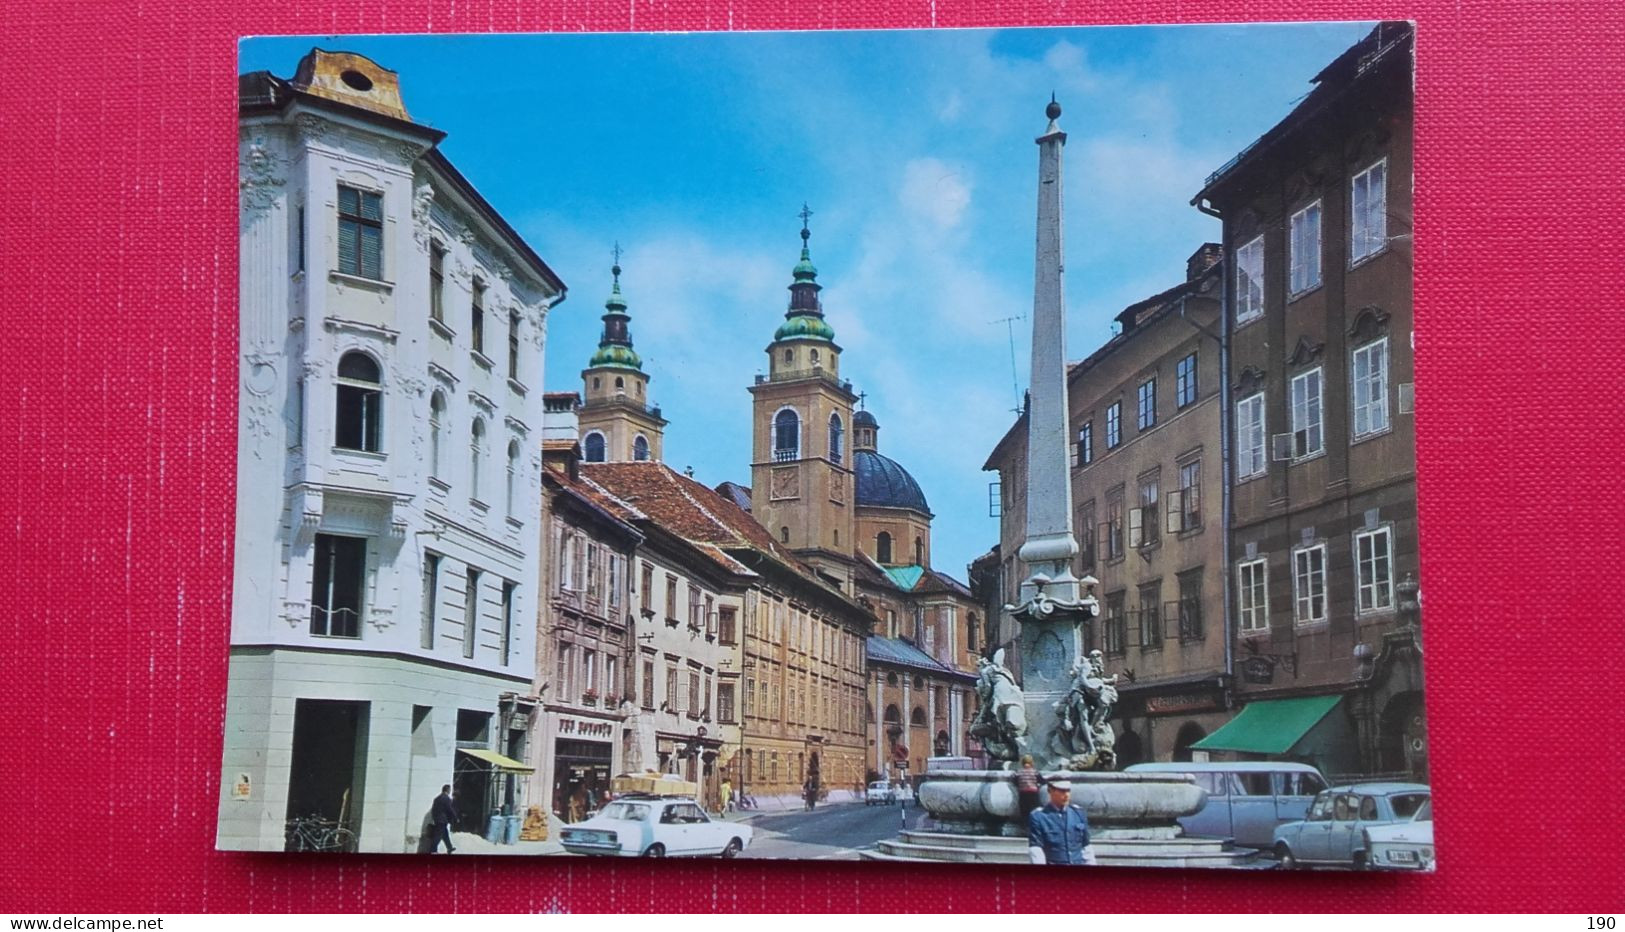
834	832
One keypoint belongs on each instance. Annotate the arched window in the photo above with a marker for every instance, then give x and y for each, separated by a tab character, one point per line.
815	357
513	475
919	552
786	436
360	404
892	715
784	534
620	382
640	448
594	445
836	435
437	425
476	444
917	717
882	547
970	633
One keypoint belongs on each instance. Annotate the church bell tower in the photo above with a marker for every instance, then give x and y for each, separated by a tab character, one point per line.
618	424
802	488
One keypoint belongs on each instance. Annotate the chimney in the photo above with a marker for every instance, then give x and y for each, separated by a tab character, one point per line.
1203	259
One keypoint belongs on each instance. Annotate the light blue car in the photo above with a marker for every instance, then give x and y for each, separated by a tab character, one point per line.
1334	833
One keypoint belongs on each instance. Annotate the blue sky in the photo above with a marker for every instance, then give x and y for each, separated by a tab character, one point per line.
915	151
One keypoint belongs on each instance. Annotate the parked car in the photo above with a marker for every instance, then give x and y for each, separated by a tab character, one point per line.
881	793
1334	832
1246	800
1403	846
655	827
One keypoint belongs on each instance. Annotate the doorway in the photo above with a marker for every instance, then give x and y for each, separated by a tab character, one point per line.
329	761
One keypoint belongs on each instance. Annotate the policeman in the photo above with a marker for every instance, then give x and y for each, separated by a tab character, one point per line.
1058	832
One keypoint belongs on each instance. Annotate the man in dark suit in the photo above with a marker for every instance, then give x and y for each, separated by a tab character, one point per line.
1058	833
444	812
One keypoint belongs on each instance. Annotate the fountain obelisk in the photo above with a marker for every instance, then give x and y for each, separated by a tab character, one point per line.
1054	603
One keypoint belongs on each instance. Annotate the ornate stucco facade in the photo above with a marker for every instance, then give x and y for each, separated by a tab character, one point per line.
392	326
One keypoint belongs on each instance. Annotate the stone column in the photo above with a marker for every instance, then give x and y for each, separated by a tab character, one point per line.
1053	601
1049	546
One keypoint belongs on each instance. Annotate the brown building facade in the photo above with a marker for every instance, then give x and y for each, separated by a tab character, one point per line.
1322	466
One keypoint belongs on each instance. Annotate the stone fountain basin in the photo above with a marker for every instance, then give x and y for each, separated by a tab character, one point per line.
1111	799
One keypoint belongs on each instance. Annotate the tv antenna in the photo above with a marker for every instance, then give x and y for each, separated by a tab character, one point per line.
1015	381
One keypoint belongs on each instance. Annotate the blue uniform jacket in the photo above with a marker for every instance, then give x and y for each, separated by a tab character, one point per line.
1062	833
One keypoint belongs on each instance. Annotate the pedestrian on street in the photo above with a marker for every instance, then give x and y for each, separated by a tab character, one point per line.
1027	780
444	812
1058	833
810	791
727	795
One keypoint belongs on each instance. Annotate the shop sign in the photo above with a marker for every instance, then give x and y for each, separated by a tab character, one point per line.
585	729
1183	702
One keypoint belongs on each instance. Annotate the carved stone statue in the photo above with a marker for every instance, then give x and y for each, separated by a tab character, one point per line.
1084	733
1001	713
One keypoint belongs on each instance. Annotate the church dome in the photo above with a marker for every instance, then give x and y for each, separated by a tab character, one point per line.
864	419
808	327
884	483
615	356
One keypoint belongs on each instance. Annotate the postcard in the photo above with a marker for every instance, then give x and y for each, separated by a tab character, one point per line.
985	446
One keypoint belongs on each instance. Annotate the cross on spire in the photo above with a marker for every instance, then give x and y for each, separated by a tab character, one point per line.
861	397
806	213
616	268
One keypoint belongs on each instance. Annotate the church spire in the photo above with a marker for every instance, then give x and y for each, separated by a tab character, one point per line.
615	345
805	317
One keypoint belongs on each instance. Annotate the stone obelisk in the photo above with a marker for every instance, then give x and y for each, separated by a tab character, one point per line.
1054	603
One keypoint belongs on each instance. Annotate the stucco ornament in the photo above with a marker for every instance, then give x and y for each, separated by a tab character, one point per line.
259	180
422	206
1001	716
313	129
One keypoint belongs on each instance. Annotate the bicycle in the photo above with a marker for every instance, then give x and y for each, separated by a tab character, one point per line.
316	833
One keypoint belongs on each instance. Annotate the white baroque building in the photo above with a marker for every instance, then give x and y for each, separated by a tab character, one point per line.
383	635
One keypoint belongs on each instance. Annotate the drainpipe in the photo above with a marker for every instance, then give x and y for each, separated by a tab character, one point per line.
1226	403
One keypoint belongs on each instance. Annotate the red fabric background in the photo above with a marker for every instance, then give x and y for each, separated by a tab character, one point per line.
118	254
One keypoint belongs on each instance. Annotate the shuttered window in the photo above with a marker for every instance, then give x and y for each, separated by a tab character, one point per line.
361	233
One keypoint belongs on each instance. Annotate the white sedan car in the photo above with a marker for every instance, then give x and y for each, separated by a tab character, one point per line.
655	827
1403	846
880	793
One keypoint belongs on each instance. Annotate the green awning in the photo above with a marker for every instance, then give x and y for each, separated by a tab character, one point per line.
1269	726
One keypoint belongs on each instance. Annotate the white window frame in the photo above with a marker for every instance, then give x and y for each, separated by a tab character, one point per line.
1185	382
1368	222
1252	453
1145	405
1303	265
1301	409
1309	583
1253	616
775	452
1114	425
1381	594
1373	407
1249	282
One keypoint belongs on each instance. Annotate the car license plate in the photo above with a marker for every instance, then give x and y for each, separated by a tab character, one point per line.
1402	857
